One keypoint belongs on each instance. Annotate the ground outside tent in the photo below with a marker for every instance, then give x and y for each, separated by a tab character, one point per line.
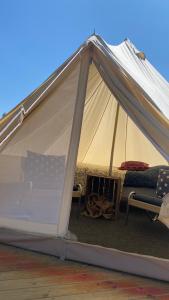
27	275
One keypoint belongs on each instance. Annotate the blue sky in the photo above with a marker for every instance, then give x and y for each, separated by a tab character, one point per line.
36	36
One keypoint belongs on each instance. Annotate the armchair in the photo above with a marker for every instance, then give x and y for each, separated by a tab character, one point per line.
148	203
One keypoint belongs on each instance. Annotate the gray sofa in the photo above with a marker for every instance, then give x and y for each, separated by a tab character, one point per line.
142	182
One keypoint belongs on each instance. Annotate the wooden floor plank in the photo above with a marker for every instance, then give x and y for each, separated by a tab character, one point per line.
26	275
95	296
74	291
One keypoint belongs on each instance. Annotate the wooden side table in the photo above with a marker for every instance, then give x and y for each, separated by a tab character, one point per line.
110	187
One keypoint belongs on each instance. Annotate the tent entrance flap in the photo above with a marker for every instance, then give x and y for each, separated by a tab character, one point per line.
74	142
33	163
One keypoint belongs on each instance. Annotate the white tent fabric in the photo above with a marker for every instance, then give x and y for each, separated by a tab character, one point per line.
144	74
98	127
33	163
39	138
137	102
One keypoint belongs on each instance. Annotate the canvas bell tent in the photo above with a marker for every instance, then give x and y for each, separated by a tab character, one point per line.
104	105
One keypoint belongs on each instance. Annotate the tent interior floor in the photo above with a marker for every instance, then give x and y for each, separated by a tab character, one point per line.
140	235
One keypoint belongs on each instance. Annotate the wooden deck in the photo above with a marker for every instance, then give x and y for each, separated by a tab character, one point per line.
28	275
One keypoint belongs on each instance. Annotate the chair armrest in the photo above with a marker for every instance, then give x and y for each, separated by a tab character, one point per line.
131	194
79	187
77	193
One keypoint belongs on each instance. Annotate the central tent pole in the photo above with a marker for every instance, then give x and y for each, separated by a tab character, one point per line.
114	139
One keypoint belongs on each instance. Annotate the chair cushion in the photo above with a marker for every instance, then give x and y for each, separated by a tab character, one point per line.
162	183
147	178
148	199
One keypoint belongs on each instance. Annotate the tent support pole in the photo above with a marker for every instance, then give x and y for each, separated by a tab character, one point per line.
114	139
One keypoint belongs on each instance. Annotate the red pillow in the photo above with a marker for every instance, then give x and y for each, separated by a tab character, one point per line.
134	166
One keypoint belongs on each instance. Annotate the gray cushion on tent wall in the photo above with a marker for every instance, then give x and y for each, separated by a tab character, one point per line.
44	171
147	178
163	183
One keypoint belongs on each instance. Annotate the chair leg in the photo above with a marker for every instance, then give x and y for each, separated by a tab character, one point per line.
79	206
128	206
153	217
79	200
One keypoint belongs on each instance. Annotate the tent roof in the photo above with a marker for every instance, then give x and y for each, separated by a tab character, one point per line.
141	70
128	63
